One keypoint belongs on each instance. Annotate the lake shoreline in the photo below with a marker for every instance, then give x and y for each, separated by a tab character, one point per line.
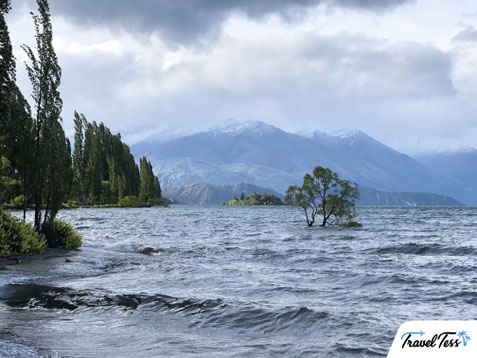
48	253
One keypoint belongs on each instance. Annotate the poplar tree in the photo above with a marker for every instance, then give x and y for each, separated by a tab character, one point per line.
78	156
15	117
7	69
146	187
7	76
149	187
104	168
157	188
51	150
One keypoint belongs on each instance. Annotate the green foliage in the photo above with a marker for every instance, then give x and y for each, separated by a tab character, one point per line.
234	201
35	165
104	168
5	6
323	193
160	202
15	120
105	192
79	164
149	187
17	237
17	202
51	166
256	199
352	224
131	202
60	234
7	65
4	179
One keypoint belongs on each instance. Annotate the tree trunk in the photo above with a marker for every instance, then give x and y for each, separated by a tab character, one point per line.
37	212
325	219
312	221
25	197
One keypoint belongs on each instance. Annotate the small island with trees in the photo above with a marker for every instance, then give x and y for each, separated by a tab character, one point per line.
256	199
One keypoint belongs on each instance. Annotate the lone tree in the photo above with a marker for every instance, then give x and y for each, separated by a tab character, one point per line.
326	195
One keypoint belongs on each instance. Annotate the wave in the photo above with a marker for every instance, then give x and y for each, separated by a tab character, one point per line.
10	349
426	249
295	318
208	312
31	295
148	250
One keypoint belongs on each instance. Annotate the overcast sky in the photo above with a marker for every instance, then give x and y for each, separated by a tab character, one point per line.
403	71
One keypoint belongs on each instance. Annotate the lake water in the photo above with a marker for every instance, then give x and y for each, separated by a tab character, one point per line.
239	281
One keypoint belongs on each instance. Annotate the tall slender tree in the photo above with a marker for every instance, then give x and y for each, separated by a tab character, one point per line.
149	187
15	116
78	156
7	76
51	152
7	68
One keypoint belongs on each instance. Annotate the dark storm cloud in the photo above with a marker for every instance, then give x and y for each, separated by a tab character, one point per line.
187	19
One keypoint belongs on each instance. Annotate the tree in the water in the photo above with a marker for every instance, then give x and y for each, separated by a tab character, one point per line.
325	195
51	150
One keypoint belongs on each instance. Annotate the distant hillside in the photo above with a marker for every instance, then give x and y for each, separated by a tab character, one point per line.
459	165
266	156
372	197
213	194
216	194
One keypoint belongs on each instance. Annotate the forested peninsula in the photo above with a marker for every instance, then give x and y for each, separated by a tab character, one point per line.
39	169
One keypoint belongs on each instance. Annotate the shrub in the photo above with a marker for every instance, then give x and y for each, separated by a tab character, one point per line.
18	237
131	202
159	202
17	202
62	235
234	201
353	224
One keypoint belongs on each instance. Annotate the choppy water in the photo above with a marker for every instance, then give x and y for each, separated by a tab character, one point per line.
239	281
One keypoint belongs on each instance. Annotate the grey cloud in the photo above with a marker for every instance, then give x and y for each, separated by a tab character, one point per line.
347	77
372	69
374	5
185	20
469	34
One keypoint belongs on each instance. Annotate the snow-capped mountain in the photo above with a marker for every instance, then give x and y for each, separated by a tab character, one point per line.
232	127
264	155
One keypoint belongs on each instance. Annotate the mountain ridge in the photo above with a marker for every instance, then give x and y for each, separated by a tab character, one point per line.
264	155
203	193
